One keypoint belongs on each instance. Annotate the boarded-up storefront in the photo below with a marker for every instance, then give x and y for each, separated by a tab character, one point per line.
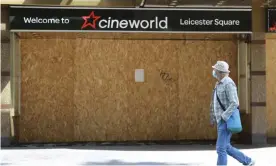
81	86
85	87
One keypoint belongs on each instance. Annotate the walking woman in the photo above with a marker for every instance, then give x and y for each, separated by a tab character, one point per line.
225	94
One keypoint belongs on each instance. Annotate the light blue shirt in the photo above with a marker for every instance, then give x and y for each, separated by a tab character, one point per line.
228	95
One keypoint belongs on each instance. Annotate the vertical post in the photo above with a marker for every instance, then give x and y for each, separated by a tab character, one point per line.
258	74
15	84
12	69
12	80
15	73
5	79
244	88
243	78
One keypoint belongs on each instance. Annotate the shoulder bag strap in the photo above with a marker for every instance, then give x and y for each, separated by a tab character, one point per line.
220	101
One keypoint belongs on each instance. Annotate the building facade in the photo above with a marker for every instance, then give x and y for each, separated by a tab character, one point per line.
63	84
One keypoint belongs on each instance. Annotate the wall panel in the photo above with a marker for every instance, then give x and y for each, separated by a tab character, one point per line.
47	86
196	84
271	86
84	87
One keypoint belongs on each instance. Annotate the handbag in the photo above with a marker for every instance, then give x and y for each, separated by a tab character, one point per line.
234	122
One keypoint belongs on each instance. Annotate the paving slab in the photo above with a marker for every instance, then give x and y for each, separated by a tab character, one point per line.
192	155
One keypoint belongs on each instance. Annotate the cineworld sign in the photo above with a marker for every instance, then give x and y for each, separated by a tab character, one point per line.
160	20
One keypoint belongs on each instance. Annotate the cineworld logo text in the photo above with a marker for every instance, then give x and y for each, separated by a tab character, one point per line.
112	23
134	24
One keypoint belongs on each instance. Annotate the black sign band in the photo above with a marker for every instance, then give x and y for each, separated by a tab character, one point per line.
271	20
30	18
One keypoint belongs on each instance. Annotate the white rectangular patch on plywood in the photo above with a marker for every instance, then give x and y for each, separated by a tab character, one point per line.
139	75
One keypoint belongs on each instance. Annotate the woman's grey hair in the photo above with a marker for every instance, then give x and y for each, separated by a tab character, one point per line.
222	74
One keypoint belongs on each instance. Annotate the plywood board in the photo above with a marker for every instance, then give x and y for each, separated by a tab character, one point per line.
155	103
196	84
111	105
85	87
47	86
101	90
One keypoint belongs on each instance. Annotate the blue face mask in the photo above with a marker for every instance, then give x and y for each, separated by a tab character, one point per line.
214	74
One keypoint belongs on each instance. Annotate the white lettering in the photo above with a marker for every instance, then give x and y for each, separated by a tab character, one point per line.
165	22
123	24
156	22
134	23
67	21
108	22
116	22
34	20
226	22
102	26
196	22
27	20
41	20
144	22
151	22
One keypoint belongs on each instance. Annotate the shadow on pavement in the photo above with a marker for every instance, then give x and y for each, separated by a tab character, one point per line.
118	162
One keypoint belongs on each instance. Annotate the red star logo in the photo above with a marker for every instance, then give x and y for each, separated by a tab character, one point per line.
86	23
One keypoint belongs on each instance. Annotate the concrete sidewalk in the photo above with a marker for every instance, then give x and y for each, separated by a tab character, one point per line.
189	155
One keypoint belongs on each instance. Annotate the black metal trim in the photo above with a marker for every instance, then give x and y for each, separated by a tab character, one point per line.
258	104
258	73
5	73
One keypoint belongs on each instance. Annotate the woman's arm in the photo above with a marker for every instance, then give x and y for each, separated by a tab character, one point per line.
232	96
212	114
